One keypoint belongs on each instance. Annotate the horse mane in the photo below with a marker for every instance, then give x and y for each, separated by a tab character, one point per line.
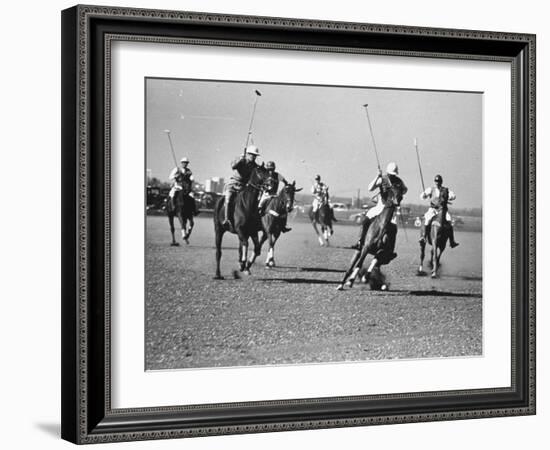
278	201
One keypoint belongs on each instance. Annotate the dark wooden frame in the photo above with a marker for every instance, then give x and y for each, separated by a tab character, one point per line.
87	32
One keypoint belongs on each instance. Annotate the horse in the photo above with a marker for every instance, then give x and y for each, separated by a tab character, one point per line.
245	223
274	220
379	241
324	218
183	207
437	237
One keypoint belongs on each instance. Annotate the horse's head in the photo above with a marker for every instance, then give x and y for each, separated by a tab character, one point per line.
289	190
395	191
259	176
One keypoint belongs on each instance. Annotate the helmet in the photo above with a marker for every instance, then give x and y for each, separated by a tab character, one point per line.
270	165
253	150
317	177
438	179
185	159
392	169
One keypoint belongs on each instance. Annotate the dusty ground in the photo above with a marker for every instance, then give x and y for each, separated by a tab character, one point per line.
293	313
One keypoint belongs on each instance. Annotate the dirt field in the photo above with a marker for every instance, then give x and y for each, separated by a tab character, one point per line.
293	313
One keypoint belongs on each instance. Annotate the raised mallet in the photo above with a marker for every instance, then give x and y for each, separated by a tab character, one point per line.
366	106
419	166
258	95
171	147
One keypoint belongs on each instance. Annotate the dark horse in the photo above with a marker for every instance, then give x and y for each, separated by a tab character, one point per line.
245	221
324	218
379	241
437	236
183	208
274	219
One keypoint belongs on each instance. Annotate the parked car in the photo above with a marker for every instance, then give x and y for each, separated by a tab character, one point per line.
339	206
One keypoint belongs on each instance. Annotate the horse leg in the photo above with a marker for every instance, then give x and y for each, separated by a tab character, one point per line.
326	233
270	260
182	225
438	252
184	234
257	250
219	237
353	270
435	257
422	256
172	230
374	263
243	253
319	237
189	228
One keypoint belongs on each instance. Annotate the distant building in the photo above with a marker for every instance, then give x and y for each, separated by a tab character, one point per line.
214	185
208	186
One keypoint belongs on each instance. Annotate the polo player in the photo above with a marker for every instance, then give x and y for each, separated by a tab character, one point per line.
243	166
271	189
182	180
320	193
434	193
382	184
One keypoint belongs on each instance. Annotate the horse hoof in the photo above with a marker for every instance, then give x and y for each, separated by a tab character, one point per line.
186	241
340	287
246	272
420	273
349	284
174	244
384	287
218	277
434	275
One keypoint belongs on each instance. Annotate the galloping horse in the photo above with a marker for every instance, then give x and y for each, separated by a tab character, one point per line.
323	217
183	207
245	221
379	241
274	220
439	233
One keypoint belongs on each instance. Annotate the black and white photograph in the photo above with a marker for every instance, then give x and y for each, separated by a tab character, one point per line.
293	224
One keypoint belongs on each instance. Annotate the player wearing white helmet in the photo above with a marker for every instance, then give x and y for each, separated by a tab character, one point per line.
382	183
182	180
243	166
320	193
435	194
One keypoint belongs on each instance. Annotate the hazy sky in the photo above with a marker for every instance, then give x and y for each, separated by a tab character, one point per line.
317	129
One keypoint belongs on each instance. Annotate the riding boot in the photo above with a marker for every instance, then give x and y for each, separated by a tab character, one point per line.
362	234
332	214
285	229
226	221
452	237
422	233
261	208
173	202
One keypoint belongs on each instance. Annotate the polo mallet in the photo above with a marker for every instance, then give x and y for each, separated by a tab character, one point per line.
419	166
258	95
171	147
366	106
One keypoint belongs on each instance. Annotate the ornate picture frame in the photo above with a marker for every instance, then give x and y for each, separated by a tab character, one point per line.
88	33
